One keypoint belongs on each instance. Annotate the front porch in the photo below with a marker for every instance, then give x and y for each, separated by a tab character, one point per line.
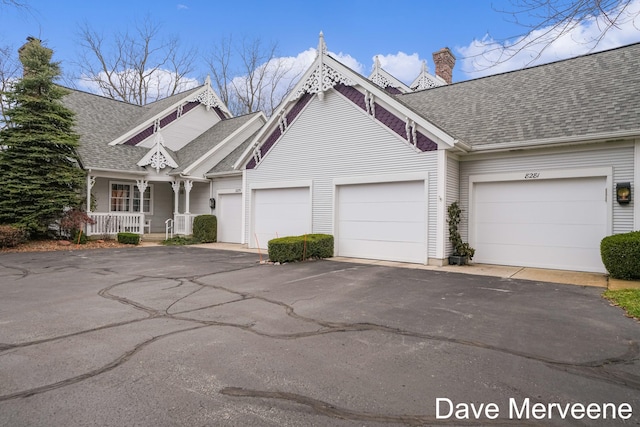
111	223
122	204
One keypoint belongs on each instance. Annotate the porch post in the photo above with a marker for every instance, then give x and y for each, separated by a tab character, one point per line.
142	187
176	190
187	189
91	180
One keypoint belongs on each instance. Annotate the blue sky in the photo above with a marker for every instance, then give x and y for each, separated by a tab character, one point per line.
401	32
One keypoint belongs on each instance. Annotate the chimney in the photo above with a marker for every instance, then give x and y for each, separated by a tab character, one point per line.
444	61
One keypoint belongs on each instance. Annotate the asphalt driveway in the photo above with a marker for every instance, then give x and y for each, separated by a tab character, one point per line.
184	336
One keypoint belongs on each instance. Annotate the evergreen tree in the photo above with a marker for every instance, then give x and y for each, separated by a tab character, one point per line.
39	166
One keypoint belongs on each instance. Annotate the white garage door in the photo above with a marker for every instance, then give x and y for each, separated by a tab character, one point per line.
230	218
553	223
384	221
280	212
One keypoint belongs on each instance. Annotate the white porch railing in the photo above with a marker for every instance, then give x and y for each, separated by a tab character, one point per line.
115	222
183	224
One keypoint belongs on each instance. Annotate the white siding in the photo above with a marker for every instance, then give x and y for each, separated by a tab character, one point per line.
616	155
452	194
199	198
334	138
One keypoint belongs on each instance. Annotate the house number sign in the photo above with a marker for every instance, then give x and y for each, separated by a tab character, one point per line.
532	175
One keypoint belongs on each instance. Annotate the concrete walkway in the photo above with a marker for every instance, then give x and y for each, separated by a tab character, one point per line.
504	271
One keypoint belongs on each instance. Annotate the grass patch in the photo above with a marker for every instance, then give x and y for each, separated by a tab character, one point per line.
627	299
180	241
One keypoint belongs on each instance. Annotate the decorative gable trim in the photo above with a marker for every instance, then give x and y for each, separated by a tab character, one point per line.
158	157
386	80
323	76
205	96
328	73
406	129
426	80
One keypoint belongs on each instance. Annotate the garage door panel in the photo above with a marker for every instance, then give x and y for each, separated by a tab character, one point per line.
378	211
385	231
382	221
527	212
545	257
565	236
537	191
385	192
553	223
383	250
230	218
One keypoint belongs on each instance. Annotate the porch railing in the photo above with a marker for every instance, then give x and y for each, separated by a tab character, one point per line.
115	222
183	224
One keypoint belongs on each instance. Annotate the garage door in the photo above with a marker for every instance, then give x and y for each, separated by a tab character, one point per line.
280	212
554	223
384	221
230	218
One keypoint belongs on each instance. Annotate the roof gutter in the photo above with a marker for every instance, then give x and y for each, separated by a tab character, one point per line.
119	171
222	174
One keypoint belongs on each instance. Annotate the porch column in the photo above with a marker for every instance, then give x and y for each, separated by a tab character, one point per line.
187	189
142	187
91	180
176	190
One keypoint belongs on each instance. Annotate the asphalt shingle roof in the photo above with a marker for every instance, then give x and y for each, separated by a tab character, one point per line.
209	139
591	94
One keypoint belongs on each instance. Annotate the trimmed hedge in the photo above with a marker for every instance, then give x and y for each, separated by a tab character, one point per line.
299	248
11	236
205	228
129	238
621	255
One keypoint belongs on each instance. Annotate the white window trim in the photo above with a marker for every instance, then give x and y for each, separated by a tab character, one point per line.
133	187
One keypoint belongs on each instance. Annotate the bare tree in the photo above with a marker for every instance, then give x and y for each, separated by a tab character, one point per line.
136	68
547	21
250	76
9	72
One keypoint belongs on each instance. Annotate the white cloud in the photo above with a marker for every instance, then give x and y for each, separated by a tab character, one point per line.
488	56
182	6
401	66
349	61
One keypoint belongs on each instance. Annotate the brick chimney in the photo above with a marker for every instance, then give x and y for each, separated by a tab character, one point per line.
444	61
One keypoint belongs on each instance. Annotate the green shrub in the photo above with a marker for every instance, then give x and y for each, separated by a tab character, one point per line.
319	245
11	236
205	228
180	241
129	238
299	248
621	255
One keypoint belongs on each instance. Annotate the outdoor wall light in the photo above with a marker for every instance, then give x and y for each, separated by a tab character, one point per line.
212	203
623	192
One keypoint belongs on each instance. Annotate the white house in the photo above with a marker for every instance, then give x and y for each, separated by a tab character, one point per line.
534	157
154	167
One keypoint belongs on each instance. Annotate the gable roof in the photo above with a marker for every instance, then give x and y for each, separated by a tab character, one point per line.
216	135
591	96
100	121
327	73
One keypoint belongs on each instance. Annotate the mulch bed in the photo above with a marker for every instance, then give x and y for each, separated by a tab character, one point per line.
62	245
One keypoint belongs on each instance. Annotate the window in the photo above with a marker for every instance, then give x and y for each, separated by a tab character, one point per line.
126	198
